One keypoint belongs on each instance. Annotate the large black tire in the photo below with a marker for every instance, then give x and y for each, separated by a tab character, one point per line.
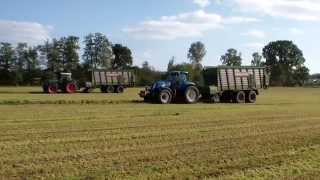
191	95
110	89
103	89
119	89
227	97
251	97
165	97
240	97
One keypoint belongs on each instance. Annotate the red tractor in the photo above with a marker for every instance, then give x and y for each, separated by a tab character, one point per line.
64	83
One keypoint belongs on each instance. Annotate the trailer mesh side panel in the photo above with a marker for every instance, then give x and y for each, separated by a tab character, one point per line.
242	78
102	78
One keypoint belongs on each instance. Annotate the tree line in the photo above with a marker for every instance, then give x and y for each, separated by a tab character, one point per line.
23	64
284	61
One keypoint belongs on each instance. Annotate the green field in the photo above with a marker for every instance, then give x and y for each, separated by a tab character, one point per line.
103	136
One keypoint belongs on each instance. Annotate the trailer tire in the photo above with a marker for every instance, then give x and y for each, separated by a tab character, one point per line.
120	89
191	95
240	97
251	97
165	97
103	89
110	89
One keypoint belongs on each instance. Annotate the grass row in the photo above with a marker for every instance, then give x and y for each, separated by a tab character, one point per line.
277	138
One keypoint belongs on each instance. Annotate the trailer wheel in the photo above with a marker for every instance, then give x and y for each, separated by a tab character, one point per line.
103	89
52	89
165	97
110	89
251	97
191	95
240	97
120	89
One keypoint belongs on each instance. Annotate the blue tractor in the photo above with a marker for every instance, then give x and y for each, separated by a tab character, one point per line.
176	88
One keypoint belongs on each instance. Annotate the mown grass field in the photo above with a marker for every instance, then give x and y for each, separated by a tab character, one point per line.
100	136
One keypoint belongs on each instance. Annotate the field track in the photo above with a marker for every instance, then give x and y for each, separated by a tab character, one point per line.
102	136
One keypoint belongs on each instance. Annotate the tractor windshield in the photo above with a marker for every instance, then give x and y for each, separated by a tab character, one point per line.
178	76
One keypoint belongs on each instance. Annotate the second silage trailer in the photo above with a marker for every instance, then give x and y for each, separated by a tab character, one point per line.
110	81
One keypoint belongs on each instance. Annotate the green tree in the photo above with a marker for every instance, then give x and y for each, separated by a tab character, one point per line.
32	62
301	75
7	60
122	57
6	56
257	60
231	58
283	57
32	69
21	58
98	51
69	52
146	75
171	63
51	51
197	51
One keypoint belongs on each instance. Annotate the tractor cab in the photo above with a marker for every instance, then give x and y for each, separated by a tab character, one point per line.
65	76
177	76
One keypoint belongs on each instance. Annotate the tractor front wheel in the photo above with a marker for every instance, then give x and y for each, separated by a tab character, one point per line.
52	89
191	95
165	97
71	88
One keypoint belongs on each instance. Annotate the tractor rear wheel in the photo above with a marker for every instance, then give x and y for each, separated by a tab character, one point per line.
165	97
52	89
71	88
191	95
240	97
120	89
251	97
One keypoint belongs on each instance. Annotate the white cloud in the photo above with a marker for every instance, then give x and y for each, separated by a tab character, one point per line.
304	10
255	34
193	24
239	20
295	31
254	45
202	3
29	32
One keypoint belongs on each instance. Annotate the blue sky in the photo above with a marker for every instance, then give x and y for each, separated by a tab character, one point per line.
157	30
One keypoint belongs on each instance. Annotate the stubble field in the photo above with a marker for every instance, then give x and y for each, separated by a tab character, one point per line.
103	136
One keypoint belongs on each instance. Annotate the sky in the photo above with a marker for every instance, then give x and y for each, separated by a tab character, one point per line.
156	30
